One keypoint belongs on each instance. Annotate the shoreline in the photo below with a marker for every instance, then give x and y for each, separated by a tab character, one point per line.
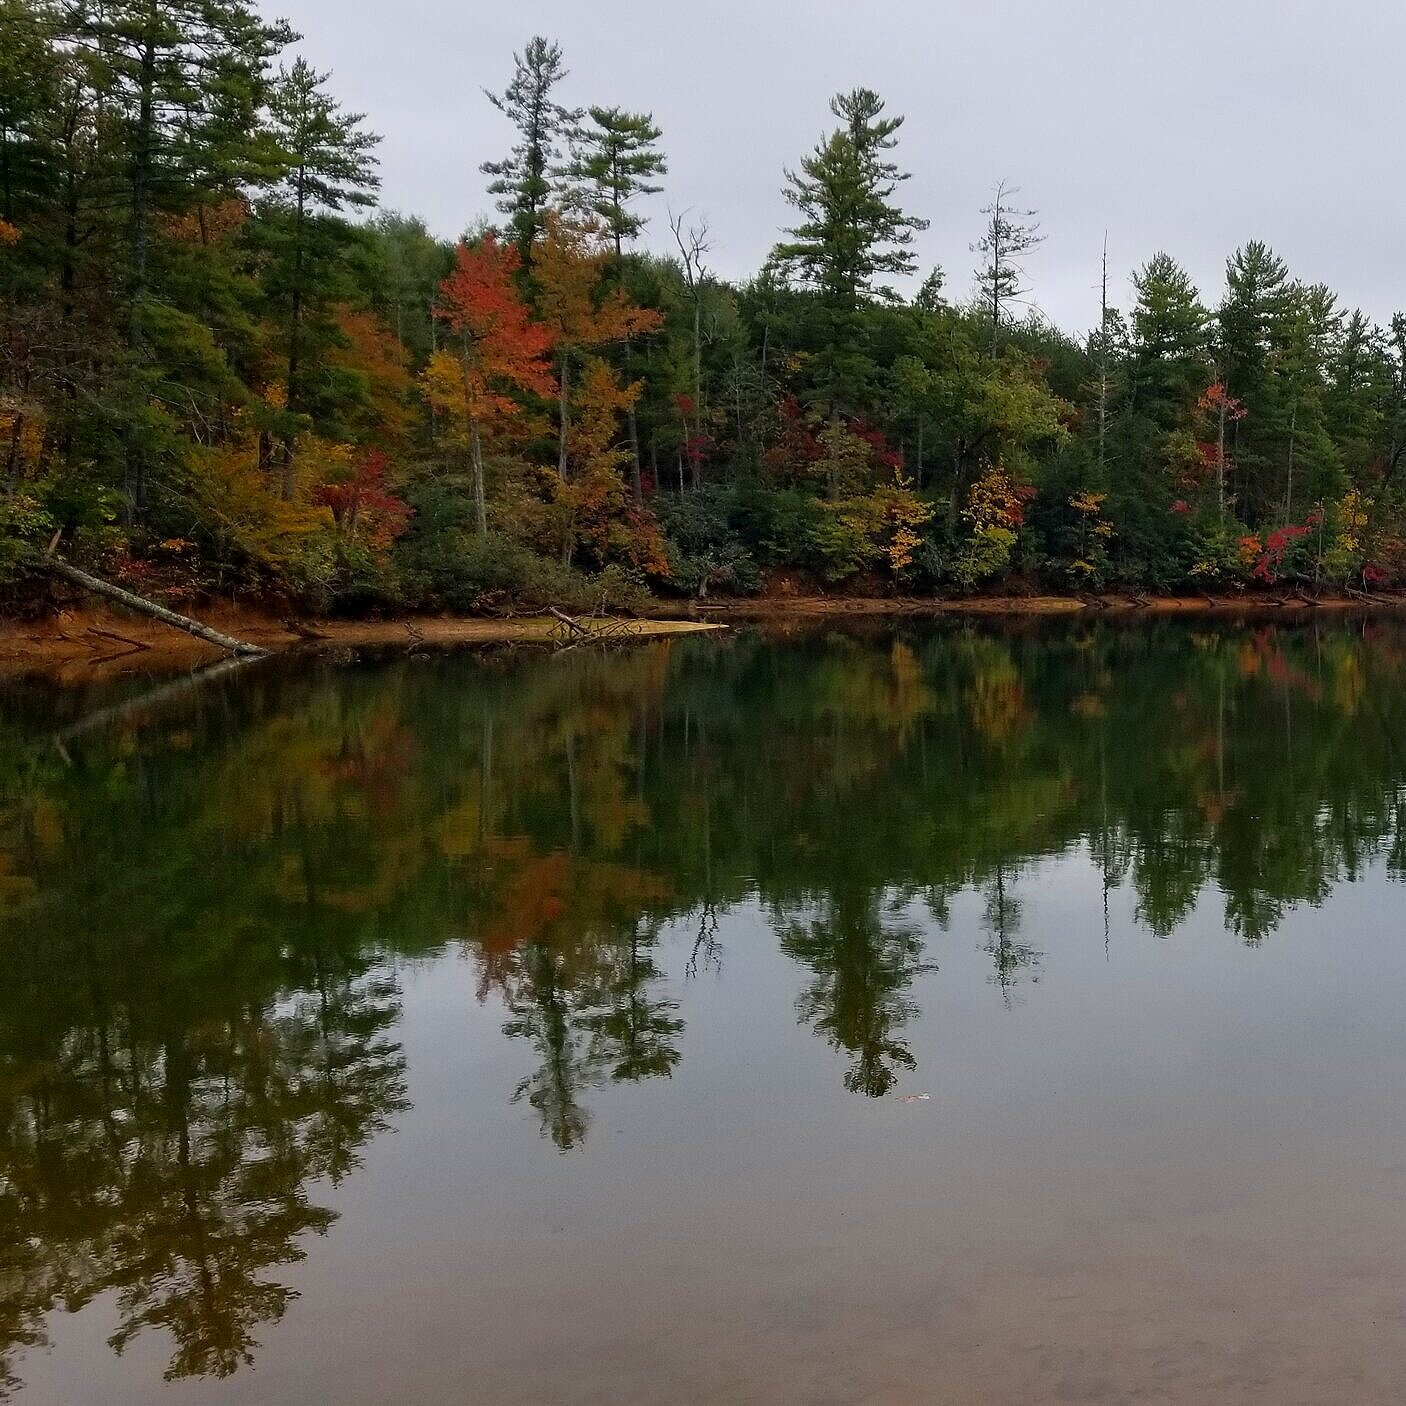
90	641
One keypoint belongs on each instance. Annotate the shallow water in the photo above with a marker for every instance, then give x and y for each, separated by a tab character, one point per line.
938	1014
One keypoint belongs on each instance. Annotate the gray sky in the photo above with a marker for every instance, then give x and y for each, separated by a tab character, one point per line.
1179	124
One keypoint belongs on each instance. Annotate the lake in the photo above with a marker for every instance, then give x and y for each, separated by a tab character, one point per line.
904	1013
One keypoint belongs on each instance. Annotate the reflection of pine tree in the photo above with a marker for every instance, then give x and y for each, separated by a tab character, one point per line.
172	1168
862	963
634	1031
591	1015
1002	922
539	995
339	1032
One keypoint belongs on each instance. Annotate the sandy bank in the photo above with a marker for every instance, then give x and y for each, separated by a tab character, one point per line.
87	642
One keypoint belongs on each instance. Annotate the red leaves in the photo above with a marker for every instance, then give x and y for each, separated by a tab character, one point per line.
363	502
480	300
1216	400
1275	545
884	453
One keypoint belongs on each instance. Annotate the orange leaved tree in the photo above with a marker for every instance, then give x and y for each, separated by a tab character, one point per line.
497	349
568	270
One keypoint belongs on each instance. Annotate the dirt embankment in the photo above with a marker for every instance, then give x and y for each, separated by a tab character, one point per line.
88	641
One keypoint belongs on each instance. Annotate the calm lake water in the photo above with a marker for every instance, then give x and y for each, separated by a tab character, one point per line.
905	1014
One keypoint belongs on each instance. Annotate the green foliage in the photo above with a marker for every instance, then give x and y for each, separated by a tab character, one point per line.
200	345
443	563
706	549
23	525
522	180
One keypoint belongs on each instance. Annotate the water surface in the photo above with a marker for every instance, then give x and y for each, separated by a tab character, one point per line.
917	1013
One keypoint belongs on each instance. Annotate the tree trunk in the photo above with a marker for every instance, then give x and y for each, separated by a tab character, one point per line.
294	340
480	505
1220	461
636	487
561	410
145	607
134	478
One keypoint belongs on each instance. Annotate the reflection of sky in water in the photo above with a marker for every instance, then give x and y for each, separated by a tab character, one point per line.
1174	1159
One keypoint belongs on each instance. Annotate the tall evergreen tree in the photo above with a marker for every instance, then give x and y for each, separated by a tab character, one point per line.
330	166
1168	353
177	73
522	180
28	63
852	233
614	161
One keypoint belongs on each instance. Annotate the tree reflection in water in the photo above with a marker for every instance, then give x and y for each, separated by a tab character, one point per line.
203	906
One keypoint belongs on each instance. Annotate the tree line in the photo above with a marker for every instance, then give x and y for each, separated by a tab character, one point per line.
223	369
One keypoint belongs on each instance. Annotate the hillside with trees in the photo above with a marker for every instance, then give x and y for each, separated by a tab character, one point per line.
224	371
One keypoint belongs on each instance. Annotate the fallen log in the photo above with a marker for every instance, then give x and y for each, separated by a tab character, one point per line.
573	626
131	601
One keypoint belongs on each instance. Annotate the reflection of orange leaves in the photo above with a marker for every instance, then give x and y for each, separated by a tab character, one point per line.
375	761
1287	676
47	821
9	234
528	903
1215	806
557	896
996	704
911	695
14	888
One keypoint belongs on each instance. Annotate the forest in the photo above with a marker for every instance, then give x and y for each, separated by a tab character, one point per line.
225	371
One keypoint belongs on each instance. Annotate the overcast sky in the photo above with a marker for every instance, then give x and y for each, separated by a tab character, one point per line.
1178	124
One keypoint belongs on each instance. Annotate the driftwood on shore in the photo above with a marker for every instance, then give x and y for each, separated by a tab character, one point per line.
131	601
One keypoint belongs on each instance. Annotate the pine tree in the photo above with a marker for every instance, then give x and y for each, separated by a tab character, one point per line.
1169	353
614	160
28	65
851	233
187	78
330	165
522	181
1251	326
